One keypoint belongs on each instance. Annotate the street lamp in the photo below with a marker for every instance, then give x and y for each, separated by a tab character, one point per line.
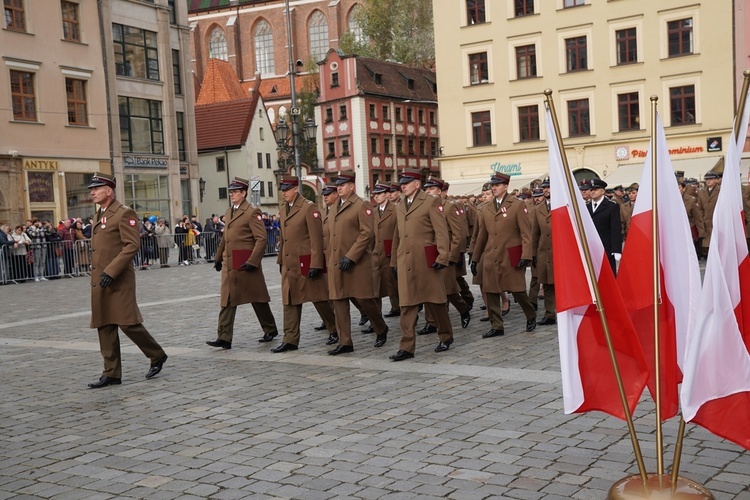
301	143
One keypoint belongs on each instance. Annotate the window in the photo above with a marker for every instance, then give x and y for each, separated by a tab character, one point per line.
680	37
71	25
409	115
217	45
400	147
573	3
14	15
524	7
334	79
373	113
318	35
398	114
575	53
135	52
373	145
261	134
578	117
342	111
268	161
628	111
432	118
261	188
270	188
420	116
329	114
422	147
481	128
410	147
345	147
331	150
526	61
176	76
75	92
386	146
220	166
475	12
181	153
682	105
259	156
354	28
478	68
263	40
23	96
172	13
222	193
141	127
627	51
433	147
528	123
386	113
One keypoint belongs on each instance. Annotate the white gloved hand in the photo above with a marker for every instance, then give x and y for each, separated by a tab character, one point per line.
617	256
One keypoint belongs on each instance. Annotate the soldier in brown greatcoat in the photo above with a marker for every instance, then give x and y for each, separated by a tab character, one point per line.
456	233
302	263
541	242
385	224
238	258
420	255
350	263
707	203
505	236
695	217
114	242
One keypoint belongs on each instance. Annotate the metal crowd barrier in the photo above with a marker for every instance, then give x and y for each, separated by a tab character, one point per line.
57	259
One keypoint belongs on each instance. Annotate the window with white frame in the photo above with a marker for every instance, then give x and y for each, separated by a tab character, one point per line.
263	40
217	45
317	29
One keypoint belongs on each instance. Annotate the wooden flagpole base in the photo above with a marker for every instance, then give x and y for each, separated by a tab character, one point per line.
632	488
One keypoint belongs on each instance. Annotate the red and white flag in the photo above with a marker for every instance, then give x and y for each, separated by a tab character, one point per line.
679	275
715	392
588	378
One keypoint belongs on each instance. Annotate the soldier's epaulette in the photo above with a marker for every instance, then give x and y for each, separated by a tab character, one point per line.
125	207
309	202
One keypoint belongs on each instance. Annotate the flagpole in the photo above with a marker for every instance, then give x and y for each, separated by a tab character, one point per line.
655	270
597	296
677	454
741	105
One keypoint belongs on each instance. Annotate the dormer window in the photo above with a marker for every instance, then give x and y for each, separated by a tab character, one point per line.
378	79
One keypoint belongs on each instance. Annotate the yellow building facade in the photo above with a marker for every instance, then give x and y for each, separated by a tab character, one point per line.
603	60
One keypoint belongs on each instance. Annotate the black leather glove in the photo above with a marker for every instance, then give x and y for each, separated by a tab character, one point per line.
470	254
313	273
473	268
106	280
345	263
217	265
533	261
247	267
280	269
437	265
523	263
395	273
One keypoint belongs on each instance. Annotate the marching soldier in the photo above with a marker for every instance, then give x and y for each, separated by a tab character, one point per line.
385	224
504	239
350	263
606	217
626	210
238	258
541	242
420	255
695	217
707	202
302	263
535	286
394	194
330	198
114	242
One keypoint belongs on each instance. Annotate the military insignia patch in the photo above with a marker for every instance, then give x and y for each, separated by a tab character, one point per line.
132	222
316	214
440	207
259	217
458	212
525	211
368	211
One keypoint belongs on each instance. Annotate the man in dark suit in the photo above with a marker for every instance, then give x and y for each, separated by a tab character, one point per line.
606	217
114	243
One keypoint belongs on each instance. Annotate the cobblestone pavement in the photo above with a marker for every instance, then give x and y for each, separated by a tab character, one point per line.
483	420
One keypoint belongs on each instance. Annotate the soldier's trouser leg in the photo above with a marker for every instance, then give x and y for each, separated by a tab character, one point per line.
395	307
145	342
429	319
444	327
109	345
265	317
458	302
523	300
549	301
225	330
494	309
343	321
465	291
326	314
408	321
292	319
534	289
370	308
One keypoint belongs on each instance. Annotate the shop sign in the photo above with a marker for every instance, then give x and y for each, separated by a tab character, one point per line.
682	150
34	164
507	168
144	161
713	144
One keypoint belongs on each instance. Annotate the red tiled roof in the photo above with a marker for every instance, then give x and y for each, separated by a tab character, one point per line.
204	5
224	125
279	88
394	80
220	84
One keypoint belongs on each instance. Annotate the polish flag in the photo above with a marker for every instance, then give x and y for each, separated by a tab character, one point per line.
715	392
588	377
679	275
